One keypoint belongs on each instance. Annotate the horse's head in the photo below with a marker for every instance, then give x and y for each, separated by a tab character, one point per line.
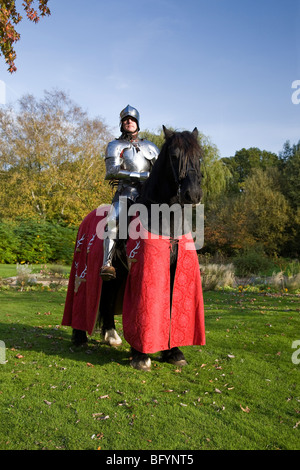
183	155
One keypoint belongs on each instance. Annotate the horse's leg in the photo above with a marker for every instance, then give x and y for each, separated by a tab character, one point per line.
174	356
79	337
110	294
106	312
140	361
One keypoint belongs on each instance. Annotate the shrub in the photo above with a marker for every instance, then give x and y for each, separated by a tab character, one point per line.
217	276
281	281
251	261
25	276
35	241
9	244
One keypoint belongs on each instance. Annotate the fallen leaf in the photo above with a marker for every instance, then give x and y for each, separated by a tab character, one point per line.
19	356
100	416
217	390
89	364
245	410
49	403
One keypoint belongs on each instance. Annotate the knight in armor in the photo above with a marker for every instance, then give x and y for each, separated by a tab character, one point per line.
128	162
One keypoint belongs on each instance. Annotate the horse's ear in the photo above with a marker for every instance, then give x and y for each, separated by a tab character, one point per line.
195	132
168	133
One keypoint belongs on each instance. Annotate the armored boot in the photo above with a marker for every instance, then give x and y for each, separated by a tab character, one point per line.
107	271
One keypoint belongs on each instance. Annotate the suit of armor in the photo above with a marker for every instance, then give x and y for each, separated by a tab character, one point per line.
128	162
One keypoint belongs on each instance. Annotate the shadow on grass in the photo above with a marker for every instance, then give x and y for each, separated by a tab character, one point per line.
56	341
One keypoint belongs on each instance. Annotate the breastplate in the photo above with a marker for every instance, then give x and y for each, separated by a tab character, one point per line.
133	159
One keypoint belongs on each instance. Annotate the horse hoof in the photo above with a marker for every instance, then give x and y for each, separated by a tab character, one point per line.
180	363
141	363
174	356
79	338
112	338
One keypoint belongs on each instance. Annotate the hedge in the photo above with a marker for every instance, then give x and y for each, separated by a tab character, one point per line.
35	241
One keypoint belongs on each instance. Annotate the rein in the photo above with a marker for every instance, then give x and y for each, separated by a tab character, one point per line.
184	168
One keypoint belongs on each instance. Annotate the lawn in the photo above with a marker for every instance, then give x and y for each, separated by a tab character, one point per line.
10	270
240	391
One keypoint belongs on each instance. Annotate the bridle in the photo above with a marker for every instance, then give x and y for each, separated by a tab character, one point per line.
186	168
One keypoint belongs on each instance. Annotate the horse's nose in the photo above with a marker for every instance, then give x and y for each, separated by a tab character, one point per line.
192	196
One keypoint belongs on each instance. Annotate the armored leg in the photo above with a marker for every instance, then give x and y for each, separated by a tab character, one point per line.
118	208
108	271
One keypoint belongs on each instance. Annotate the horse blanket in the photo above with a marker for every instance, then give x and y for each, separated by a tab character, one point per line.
85	283
151	321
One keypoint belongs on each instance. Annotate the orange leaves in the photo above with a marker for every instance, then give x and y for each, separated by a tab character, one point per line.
10	17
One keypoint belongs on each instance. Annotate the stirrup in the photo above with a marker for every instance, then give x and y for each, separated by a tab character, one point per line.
107	273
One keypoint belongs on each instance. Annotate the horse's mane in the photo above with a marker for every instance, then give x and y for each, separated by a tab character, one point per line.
189	152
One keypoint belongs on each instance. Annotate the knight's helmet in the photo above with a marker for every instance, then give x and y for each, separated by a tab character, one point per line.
130	111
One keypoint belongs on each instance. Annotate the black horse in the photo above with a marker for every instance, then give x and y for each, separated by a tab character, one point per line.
175	179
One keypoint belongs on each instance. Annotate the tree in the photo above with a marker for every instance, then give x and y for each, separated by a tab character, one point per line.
258	216
268	212
157	138
290	187
244	161
51	163
216	175
9	18
290	171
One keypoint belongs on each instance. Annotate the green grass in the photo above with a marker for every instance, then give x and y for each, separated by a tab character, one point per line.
10	270
240	391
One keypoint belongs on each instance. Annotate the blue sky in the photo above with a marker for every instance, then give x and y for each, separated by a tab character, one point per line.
225	66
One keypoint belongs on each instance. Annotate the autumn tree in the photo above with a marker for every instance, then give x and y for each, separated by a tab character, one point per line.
259	215
51	160
9	18
290	187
